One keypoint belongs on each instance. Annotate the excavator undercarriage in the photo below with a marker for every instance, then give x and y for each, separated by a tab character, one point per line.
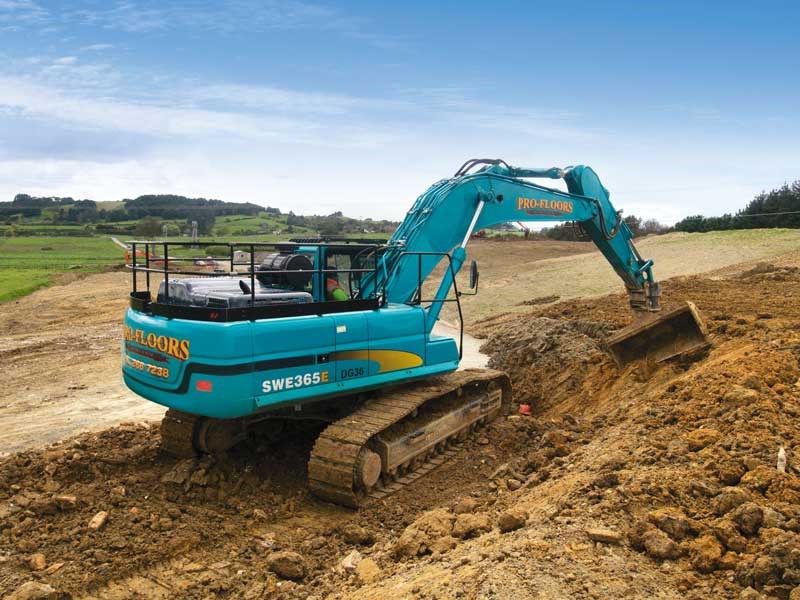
383	444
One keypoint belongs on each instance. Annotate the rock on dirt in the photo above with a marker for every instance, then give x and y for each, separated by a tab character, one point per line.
34	590
658	545
351	561
287	564
740	396
465	505
511	520
368	571
700	438
471	525
353	533
606	536
37	562
671	521
728	499
99	520
432	532
748	518
705	553
730	472
66	501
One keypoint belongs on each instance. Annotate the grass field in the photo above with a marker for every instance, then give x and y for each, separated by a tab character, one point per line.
29	263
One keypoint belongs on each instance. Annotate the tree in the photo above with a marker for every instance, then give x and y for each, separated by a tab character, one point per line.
652	227
778	208
149	227
634	223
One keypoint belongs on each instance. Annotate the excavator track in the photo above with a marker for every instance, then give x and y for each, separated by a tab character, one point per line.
402	435
178	432
184	435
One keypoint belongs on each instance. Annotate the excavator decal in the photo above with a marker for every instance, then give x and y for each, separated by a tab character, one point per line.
169	345
388	360
527	204
294	381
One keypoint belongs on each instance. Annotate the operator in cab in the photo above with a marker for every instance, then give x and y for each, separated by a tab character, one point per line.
333	291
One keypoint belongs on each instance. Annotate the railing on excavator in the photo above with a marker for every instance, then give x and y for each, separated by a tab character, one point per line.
159	258
163	266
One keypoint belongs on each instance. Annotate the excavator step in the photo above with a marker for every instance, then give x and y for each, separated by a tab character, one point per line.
676	332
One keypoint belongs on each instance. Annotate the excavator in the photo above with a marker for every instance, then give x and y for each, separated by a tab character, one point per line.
342	331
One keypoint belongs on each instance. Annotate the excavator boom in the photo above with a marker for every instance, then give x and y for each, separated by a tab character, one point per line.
442	220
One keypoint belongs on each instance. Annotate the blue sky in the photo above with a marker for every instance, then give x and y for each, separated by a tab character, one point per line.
681	107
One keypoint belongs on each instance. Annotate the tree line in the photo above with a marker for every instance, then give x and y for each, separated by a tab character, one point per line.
69	211
777	208
571	232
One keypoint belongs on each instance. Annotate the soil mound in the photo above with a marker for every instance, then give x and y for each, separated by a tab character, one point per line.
547	359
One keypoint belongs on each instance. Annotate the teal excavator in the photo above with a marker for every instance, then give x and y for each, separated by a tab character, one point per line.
342	331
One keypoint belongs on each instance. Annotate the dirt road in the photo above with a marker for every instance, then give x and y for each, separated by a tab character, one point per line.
513	281
60	356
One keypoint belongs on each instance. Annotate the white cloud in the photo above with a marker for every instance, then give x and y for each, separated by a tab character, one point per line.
24	12
315	151
165	120
275	98
143	16
97	47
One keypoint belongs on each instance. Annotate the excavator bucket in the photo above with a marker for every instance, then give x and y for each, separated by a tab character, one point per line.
666	335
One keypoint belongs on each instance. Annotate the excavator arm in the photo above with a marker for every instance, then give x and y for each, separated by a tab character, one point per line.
443	218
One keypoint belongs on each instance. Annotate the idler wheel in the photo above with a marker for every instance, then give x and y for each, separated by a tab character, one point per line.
368	468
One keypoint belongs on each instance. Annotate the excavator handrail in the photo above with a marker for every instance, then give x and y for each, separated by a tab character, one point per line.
457	295
142	301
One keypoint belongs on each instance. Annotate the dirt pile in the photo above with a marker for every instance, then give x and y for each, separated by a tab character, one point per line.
109	515
547	358
686	457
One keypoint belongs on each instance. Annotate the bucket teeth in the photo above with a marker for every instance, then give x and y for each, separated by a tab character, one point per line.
675	332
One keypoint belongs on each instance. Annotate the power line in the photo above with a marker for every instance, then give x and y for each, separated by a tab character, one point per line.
788	212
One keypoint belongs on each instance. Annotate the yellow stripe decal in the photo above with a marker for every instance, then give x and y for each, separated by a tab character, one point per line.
389	360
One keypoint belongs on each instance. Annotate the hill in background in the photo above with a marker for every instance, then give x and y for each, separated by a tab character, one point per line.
152	215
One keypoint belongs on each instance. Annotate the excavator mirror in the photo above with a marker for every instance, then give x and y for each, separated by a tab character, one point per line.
473	275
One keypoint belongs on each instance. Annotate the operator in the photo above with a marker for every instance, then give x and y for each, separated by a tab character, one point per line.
333	291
